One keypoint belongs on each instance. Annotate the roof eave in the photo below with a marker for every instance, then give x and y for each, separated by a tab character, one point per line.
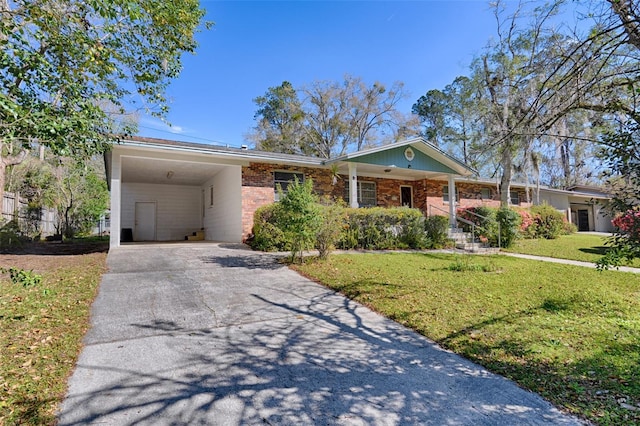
240	154
422	145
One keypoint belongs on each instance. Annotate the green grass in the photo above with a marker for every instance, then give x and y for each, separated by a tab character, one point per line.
583	247
41	328
571	334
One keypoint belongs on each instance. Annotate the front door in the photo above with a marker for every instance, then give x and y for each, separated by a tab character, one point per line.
145	221
406	196
583	220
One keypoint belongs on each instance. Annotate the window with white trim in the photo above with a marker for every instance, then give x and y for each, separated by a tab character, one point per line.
445	194
284	179
366	194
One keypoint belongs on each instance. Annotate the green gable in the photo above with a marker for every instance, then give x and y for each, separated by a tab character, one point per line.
396	157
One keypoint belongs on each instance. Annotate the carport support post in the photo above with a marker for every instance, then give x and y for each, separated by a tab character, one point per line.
353	186
116	175
452	202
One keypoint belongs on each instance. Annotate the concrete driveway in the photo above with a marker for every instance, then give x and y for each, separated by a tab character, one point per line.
216	334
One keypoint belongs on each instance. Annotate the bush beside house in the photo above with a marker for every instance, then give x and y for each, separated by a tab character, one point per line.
300	222
327	225
541	221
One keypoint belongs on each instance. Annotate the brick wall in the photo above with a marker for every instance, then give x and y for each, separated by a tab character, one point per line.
258	187
258	190
388	190
470	195
252	198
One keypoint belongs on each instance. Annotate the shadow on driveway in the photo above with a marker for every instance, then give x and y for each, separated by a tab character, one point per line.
316	358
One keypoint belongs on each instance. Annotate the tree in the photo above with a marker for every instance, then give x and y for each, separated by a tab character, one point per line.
432	108
300	216
76	190
509	73
79	194
328	118
62	59
371	110
452	119
280	118
620	152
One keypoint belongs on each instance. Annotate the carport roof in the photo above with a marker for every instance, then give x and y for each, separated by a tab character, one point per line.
369	158
242	153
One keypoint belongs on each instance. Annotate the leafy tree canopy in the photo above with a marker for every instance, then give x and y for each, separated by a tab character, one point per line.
328	118
61	60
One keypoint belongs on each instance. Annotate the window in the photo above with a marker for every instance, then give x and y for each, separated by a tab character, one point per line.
445	194
284	179
366	194
211	196
485	193
515	197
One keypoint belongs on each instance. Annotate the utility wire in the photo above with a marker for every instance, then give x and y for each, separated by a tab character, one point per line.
184	136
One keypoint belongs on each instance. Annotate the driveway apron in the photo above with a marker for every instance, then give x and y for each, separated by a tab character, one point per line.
217	334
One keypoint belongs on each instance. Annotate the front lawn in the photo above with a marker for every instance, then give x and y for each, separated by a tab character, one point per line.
42	325
583	247
571	334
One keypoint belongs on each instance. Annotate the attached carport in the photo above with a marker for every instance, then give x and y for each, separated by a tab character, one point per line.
164	193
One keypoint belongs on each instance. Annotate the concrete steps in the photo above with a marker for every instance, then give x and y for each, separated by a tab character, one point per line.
464	241
196	236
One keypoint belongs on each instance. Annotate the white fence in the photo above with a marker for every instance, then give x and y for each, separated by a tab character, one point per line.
15	207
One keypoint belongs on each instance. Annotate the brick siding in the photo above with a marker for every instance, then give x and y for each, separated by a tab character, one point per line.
258	190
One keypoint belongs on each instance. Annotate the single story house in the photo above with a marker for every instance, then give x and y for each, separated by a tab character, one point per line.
164	190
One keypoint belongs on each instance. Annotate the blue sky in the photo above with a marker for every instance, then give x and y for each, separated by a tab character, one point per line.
255	45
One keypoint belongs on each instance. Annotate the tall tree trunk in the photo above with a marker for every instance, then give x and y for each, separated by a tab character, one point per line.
505	180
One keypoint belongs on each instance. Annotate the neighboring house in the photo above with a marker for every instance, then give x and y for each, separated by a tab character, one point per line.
581	205
164	190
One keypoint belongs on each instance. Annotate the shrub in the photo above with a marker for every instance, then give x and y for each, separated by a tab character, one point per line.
624	245
383	228
509	226
628	224
300	216
549	221
267	232
11	235
412	233
484	218
568	228
331	227
436	229
527	224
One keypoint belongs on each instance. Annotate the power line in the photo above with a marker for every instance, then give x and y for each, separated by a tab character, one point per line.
182	135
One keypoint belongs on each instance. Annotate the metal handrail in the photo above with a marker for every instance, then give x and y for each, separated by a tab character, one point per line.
485	218
468	222
457	219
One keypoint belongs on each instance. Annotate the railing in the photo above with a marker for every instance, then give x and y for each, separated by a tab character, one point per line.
468	222
458	219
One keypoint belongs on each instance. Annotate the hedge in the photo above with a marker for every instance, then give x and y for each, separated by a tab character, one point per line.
381	228
370	228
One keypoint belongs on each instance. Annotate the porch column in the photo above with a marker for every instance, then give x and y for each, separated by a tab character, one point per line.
116	175
353	186
452	202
